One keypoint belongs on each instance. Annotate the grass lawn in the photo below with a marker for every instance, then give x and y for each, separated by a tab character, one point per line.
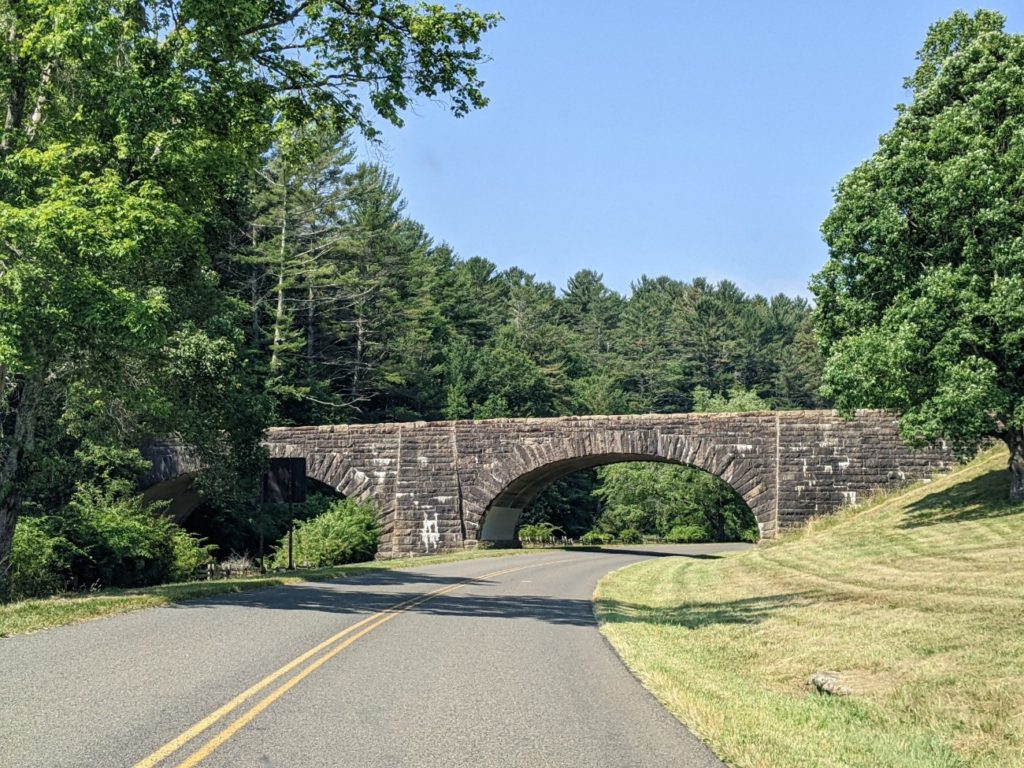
915	600
32	615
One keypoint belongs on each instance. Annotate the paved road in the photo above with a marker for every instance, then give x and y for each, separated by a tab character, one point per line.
505	669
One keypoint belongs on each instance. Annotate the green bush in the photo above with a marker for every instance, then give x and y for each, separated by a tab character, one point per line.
190	554
596	538
687	534
540	532
105	537
40	560
631	536
345	533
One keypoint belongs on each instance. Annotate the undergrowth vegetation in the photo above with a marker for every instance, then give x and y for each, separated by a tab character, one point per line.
915	602
34	615
104	537
345	532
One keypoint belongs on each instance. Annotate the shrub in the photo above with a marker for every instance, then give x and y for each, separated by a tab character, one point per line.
105	537
190	554
40	560
539	532
596	538
687	534
345	533
631	536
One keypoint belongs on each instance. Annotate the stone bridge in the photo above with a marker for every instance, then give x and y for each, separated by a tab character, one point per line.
448	485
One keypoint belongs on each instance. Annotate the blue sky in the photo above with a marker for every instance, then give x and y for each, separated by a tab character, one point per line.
678	138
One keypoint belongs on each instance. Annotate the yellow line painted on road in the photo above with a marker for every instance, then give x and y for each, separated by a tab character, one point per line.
373	621
172	746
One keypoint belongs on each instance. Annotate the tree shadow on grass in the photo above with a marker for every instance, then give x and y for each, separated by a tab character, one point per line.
618	550
983	498
694	615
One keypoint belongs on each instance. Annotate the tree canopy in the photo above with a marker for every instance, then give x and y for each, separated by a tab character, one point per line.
921	302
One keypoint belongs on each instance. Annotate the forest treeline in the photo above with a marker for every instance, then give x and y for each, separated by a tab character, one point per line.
356	314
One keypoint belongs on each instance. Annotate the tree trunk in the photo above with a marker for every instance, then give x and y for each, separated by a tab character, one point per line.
16	447
310	334
279	309
8	518
16	92
37	113
1015	442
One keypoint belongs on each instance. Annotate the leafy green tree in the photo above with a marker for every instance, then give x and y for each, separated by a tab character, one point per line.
131	129
921	303
659	499
739	400
385	323
288	277
569	503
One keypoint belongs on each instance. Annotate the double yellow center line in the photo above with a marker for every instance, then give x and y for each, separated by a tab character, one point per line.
328	649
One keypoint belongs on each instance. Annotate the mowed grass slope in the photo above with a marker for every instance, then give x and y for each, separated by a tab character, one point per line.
915	600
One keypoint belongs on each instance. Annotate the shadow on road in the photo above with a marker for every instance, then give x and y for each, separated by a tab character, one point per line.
646	553
323	599
368	594
558	611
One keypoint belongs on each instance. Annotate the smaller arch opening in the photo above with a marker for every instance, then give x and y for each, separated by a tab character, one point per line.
241	534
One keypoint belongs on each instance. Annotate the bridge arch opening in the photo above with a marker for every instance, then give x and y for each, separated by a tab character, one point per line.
505	513
230	532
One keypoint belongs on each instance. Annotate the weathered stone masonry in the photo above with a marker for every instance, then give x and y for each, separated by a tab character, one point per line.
475	477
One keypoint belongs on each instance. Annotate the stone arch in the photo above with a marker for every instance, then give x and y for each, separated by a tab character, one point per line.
337	470
180	494
332	469
500	498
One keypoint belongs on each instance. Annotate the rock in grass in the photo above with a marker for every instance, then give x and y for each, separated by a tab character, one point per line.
830	684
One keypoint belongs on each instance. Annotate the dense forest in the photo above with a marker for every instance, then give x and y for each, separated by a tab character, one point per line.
189	246
343	309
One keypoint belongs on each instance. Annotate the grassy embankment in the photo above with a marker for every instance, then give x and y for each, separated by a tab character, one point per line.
33	615
915	600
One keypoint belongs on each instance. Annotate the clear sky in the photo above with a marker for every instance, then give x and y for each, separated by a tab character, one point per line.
678	138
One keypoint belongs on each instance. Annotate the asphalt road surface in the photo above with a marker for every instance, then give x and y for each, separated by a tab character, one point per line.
490	662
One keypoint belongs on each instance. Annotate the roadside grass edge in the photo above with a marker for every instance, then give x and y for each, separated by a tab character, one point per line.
25	616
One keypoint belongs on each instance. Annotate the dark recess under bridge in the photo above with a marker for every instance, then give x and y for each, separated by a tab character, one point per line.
448	485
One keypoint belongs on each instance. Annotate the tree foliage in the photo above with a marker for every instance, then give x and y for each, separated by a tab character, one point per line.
921	303
189	247
131	132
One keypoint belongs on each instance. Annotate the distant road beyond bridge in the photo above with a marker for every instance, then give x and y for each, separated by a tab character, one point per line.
449	485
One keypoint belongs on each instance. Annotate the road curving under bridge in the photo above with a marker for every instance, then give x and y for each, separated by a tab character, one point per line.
494	662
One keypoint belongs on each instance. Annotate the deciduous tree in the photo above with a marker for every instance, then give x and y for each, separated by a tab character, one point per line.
130	130
921	303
